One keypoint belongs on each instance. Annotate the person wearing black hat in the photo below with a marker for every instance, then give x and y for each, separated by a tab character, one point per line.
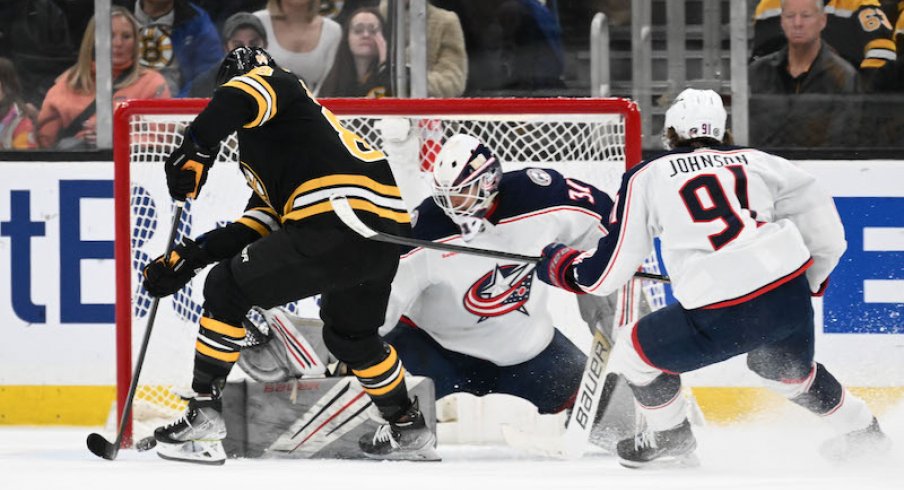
240	29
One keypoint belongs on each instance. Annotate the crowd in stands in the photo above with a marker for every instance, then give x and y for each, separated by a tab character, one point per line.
810	59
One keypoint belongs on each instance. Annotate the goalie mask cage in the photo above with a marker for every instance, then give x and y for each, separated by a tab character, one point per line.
594	140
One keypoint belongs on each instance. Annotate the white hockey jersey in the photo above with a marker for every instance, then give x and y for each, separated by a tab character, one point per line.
734	223
495	309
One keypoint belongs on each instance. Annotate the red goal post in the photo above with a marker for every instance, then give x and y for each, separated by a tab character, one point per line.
595	139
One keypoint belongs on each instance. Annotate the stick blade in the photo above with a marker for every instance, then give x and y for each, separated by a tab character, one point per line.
101	447
344	211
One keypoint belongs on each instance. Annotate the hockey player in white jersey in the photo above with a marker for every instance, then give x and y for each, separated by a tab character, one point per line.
480	325
747	238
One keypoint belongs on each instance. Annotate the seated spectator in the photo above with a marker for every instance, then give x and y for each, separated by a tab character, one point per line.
178	39
16	127
803	67
447	61
242	29
301	40
858	30
360	66
67	119
35	36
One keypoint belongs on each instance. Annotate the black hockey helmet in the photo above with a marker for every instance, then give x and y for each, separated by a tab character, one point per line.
241	60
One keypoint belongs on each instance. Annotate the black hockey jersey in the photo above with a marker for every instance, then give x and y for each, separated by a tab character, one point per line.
295	154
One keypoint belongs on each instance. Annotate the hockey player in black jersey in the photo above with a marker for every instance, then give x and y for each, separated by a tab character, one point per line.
288	245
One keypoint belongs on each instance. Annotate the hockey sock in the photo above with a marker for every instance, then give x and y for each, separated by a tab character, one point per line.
661	402
384	381
822	394
216	350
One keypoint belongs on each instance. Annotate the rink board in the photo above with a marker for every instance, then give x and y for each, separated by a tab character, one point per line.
57	293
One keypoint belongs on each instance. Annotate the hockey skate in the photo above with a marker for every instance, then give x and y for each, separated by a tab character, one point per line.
407	438
859	444
197	436
673	447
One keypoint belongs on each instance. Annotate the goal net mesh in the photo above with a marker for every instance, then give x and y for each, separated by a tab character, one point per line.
590	146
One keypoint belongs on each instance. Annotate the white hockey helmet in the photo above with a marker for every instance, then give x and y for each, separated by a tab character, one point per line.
695	114
466	178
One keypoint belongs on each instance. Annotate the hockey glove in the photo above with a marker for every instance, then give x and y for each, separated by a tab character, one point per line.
187	167
168	273
556	267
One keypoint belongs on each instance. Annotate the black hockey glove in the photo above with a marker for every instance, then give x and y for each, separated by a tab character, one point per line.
187	167
168	273
556	267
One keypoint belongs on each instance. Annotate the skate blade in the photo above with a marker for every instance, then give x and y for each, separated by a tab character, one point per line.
197	452
685	461
422	455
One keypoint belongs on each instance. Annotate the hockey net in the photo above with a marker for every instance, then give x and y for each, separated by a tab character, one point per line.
594	140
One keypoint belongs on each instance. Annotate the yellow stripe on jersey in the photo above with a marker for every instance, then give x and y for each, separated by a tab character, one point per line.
268	88
221	328
254	225
261	220
872	63
312	197
379	368
391	386
880	43
262	93
346	179
768	8
363	205
211	352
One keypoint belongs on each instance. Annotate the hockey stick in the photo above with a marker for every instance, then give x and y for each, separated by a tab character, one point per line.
97	444
344	210
593	388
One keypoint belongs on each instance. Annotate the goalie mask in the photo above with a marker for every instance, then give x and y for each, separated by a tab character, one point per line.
241	60
466	179
695	114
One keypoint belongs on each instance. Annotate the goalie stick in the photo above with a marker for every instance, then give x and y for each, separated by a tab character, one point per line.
595	385
97	444
344	210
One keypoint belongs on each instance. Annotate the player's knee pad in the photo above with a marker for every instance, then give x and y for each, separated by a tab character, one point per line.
626	360
818	391
223	299
778	365
352	349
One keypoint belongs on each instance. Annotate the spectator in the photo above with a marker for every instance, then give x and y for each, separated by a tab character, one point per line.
360	66
242	29
35	36
178	39
803	67
857	29
447	61
67	119
16	127
301	40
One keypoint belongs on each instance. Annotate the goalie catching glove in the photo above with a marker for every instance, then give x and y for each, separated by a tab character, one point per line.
168	273
187	167
556	267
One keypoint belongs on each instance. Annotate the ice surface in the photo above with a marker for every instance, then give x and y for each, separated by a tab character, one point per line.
761	455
